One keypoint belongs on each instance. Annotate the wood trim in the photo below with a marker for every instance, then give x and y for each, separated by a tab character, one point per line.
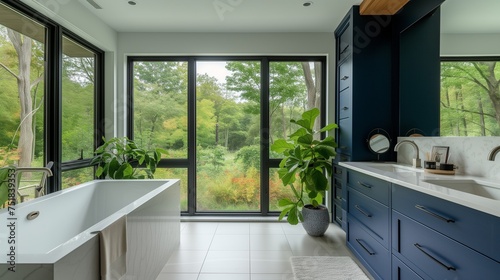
381	7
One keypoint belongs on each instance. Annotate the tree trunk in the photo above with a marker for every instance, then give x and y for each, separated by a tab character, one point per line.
22	45
481	117
313	85
462	108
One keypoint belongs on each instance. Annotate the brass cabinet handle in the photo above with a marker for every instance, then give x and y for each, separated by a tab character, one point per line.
366	249
362	211
433	258
422	208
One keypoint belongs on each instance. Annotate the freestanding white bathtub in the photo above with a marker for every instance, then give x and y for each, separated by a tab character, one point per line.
61	243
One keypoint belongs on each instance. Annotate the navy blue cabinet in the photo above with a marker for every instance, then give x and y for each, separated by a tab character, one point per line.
437	255
363	83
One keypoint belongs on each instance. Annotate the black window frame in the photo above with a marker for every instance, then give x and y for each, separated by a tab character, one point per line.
53	93
267	163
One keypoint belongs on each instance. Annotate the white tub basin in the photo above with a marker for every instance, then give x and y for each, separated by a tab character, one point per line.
472	186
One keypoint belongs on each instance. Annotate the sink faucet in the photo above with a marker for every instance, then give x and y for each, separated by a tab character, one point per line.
493	153
416	159
47	172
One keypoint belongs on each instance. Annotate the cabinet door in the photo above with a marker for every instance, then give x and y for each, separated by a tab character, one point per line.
372	187
437	255
368	250
345	132
345	106
473	228
402	272
345	75
344	44
373	214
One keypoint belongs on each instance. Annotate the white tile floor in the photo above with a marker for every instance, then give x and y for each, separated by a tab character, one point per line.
246	250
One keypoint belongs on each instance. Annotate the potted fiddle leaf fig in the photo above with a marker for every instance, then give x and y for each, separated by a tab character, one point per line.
306	168
121	158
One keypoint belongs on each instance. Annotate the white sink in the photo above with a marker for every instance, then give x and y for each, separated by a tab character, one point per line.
391	167
472	186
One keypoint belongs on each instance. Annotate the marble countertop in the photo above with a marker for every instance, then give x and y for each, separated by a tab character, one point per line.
487	200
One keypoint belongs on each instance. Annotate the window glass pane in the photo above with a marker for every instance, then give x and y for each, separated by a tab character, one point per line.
78	88
294	87
21	90
470	103
160	106
227	136
176	173
76	177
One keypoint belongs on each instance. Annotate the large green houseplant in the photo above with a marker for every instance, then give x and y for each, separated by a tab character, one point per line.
308	160
121	158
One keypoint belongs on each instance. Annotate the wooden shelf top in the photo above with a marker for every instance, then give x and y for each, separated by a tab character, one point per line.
381	7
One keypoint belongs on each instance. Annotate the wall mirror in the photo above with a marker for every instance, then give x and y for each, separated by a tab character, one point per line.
379	141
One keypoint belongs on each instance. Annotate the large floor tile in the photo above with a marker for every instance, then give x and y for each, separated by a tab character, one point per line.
233	228
270	261
222	262
266	228
293	229
269	243
271	276
207	228
195	242
177	276
234	242
224	276
185	262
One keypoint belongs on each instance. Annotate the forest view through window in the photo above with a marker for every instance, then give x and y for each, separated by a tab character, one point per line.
215	141
470	97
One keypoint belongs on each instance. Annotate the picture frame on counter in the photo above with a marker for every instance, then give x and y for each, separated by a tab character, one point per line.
440	154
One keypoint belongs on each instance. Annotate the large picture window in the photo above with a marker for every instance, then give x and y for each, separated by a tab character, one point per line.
50	111
470	96
217	117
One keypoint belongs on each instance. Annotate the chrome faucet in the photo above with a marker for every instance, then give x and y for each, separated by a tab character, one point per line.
47	172
493	153
416	159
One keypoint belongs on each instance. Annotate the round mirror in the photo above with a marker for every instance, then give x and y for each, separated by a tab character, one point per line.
379	143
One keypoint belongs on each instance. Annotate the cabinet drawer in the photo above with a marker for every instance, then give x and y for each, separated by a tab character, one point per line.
345	136
374	215
370	186
437	255
338	214
338	189
345	104
402	272
368	250
344	44
473	228
338	171
345	75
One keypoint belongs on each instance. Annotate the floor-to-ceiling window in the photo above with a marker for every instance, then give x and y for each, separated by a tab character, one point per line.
50	87
217	117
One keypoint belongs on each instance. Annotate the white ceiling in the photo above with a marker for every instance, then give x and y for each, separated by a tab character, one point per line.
458	16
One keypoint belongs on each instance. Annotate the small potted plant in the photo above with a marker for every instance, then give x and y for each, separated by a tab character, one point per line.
121	158
307	160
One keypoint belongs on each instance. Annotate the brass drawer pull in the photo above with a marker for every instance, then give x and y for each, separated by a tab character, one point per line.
363	246
362	211
422	208
433	258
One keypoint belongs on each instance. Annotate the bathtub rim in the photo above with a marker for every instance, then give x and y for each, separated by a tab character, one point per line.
57	253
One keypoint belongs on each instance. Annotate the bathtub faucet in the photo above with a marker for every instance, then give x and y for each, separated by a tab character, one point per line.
47	172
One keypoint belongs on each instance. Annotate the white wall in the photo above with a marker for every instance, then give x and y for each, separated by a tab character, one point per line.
221	44
470	44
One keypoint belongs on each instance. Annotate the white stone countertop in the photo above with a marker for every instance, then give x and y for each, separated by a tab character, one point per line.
484	198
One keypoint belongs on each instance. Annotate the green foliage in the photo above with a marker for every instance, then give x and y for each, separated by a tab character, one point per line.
4	184
470	98
249	157
307	159
117	156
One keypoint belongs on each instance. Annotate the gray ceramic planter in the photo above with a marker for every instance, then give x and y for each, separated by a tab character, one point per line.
316	221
